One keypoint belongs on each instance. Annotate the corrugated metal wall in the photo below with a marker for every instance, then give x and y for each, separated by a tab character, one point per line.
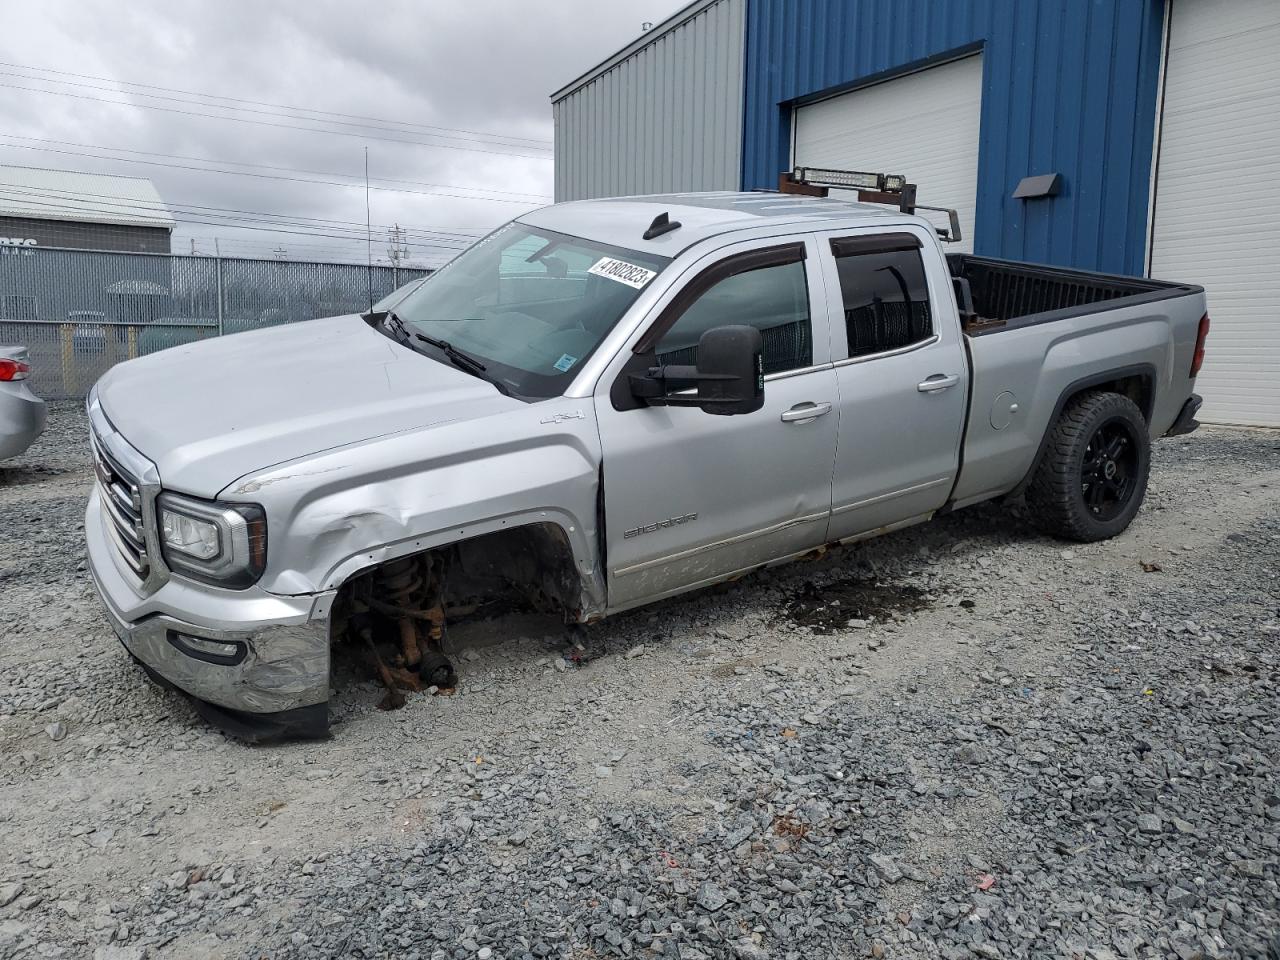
1069	86
664	114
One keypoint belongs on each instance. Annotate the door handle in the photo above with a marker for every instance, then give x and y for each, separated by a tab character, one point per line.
803	412
939	381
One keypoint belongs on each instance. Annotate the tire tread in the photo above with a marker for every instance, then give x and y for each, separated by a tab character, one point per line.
1054	492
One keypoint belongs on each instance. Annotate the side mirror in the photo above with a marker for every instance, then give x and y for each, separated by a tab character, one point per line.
729	375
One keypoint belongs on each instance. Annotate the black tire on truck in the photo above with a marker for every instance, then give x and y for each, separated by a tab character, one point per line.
1092	476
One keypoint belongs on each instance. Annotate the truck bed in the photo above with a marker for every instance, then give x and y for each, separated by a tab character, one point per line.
1007	294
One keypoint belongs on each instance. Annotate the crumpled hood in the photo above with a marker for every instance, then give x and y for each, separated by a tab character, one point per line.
211	412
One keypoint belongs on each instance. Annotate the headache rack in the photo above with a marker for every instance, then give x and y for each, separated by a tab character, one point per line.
889	188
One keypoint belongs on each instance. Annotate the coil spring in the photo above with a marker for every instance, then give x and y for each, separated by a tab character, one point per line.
400	581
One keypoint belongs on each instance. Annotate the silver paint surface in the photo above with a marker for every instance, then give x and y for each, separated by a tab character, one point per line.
22	413
361	451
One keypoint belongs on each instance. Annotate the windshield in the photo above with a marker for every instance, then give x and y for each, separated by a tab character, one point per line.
530	304
395	296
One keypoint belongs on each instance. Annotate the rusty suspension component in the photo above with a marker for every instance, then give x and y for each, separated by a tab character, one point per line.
410	593
394	699
401	581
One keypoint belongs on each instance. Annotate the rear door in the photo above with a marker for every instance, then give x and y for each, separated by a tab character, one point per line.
691	498
902	375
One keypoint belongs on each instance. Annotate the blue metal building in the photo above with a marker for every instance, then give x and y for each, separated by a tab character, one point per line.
1160	118
1068	87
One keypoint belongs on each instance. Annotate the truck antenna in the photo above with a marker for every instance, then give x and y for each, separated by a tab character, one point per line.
662	223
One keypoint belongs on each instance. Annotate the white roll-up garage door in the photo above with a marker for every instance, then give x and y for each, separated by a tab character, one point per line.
923	125
1217	202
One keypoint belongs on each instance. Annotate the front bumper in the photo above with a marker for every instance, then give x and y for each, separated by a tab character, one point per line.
278	684
22	418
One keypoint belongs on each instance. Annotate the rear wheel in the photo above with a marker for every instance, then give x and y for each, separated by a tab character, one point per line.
1093	475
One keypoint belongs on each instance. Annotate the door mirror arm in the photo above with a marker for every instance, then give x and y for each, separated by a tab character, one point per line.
662	386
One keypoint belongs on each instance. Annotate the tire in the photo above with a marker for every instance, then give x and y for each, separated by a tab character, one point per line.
1092	477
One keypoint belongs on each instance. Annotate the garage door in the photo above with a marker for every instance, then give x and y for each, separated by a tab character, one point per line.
1217	203
923	125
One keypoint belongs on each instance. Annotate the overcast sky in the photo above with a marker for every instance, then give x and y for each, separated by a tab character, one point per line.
389	71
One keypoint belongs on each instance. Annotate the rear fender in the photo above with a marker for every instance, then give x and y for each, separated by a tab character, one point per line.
1038	369
1142	374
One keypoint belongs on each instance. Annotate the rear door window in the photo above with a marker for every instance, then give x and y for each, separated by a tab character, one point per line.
884	292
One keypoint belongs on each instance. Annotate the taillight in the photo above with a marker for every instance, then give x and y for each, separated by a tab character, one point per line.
1197	359
13	369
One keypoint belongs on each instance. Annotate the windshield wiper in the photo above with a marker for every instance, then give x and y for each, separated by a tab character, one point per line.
396	327
464	361
458	358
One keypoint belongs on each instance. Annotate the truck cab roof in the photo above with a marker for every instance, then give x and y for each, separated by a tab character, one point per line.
622	221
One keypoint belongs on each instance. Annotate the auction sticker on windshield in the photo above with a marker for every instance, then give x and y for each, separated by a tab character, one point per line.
623	272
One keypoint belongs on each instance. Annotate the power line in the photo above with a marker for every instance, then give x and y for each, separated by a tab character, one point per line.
257	244
264	166
267	113
260	176
259	103
142	206
316	253
246	225
267	123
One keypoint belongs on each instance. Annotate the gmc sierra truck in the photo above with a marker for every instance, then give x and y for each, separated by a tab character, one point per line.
600	405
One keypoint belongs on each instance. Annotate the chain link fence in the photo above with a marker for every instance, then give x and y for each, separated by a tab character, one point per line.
81	311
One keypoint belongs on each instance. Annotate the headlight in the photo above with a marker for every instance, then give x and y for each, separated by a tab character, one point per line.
219	543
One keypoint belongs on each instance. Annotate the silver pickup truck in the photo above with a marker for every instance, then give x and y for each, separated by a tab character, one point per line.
600	405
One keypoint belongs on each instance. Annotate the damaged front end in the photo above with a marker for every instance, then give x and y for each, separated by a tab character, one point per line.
265	683
255	663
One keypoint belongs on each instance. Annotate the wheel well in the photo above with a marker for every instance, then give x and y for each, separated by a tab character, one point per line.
526	567
536	558
1137	387
1137	383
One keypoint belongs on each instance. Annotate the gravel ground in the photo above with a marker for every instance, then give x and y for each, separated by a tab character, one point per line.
961	740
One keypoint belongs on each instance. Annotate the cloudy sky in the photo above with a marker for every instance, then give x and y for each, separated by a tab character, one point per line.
228	105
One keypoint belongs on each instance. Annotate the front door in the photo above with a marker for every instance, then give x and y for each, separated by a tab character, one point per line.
691	497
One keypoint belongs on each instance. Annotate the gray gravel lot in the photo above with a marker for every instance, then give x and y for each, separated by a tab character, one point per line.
995	745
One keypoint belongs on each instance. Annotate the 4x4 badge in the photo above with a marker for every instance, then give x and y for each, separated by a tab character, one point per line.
562	417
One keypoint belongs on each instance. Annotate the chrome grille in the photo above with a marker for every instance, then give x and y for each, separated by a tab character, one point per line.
122	499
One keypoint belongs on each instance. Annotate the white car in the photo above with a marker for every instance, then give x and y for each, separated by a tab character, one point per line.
22	413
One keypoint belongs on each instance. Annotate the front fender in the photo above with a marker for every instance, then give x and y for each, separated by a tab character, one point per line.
356	506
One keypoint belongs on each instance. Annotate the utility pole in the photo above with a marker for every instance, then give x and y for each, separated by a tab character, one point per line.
397	246
397	250
281	253
368	230
217	262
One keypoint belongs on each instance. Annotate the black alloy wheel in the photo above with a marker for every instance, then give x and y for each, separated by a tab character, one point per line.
1107	473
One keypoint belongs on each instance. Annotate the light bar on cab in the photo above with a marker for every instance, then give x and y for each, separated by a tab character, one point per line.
890	188
850	179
